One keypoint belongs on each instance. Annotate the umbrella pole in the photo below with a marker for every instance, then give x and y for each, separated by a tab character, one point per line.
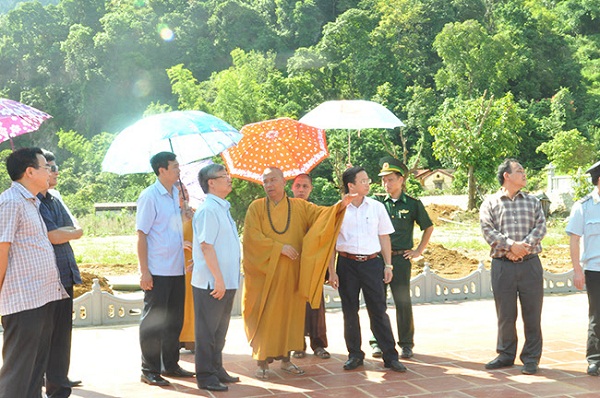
349	162
180	182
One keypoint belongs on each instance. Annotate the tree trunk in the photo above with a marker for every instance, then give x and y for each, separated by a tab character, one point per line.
471	187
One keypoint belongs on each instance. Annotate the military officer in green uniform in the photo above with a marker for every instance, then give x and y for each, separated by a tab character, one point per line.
404	212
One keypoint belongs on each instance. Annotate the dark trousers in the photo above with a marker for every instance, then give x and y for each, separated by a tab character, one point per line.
211	324
400	286
522	281
59	357
25	351
161	323
368	276
592	283
315	327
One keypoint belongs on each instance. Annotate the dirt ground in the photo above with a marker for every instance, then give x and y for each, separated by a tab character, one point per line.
445	262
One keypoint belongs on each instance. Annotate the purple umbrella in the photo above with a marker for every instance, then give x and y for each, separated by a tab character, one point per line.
17	118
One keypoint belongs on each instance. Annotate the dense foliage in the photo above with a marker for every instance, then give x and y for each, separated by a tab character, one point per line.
474	80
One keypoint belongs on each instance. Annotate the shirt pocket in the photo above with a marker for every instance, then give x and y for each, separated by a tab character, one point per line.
592	227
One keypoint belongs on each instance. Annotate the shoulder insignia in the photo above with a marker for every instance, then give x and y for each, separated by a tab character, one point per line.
585	198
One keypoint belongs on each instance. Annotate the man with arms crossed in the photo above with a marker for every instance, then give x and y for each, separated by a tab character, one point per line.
215	278
60	232
513	224
160	255
29	280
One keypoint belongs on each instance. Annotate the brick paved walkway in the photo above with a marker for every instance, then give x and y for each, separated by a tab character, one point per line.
453	341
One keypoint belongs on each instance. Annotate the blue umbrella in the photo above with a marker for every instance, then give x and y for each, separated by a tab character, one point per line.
191	135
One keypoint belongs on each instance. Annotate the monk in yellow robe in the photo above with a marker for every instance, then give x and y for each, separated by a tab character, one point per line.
279	279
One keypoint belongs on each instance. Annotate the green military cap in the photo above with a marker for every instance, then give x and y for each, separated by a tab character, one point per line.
594	170
391	165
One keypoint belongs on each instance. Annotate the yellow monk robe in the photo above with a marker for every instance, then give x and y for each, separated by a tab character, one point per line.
186	338
273	305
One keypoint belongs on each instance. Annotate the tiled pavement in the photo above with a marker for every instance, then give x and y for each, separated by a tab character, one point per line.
453	341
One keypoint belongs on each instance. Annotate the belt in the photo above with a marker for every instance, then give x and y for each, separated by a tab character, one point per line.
398	252
527	257
361	258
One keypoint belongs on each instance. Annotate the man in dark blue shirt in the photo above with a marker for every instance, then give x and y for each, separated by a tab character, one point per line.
60	232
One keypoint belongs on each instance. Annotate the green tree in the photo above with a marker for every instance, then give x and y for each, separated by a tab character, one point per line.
475	135
568	151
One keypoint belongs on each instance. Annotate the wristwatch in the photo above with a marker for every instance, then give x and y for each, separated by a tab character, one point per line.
390	266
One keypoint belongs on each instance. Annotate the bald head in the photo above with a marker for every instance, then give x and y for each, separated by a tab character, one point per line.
274	183
302	186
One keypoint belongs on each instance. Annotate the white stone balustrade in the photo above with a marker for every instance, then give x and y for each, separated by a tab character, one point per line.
97	308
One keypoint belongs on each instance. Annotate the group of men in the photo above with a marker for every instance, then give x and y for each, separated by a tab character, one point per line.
290	246
37	274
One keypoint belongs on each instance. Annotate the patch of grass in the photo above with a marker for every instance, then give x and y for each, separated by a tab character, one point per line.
106	250
108	223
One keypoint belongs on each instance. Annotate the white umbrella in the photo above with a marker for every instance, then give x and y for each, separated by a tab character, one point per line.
351	114
191	135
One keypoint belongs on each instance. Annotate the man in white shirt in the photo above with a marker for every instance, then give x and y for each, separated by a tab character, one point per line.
364	234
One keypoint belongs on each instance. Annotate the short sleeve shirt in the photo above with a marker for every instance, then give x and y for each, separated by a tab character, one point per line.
362	226
159	217
32	278
214	225
585	221
404	213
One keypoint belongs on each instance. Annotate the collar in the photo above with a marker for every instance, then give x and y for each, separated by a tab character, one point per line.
595	196
401	198
163	191
221	202
502	192
23	191
365	202
45	198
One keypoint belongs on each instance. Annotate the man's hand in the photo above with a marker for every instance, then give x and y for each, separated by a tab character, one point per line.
289	251
408	254
219	290
347	198
388	274
578	278
513	257
520	249
334	280
146	281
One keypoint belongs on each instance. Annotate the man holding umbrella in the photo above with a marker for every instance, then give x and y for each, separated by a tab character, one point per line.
161	261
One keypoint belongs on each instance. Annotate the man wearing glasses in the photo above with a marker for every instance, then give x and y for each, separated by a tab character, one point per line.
365	233
29	279
60	232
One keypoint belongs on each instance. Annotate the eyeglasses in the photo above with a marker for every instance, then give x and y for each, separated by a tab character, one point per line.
223	176
364	181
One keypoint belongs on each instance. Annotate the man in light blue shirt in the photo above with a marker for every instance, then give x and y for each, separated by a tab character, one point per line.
215	278
585	221
160	255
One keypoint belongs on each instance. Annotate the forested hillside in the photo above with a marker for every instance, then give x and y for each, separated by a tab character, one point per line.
474	80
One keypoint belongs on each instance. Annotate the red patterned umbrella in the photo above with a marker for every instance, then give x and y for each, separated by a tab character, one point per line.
285	143
17	118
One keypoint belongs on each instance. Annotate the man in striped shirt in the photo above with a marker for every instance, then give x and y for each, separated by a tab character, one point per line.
513	224
29	279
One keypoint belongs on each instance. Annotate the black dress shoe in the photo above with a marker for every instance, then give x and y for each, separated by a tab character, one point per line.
154	380
407	352
227	378
530	368
353	363
74	383
214	387
179	372
395	365
497	363
593	369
